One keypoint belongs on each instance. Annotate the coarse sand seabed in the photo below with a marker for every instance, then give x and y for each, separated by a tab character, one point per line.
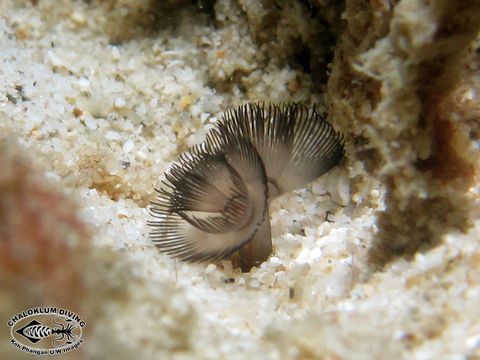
104	119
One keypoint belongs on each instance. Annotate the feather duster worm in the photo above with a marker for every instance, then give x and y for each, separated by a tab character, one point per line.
214	200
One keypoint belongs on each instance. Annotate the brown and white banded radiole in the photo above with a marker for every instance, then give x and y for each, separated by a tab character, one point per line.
214	199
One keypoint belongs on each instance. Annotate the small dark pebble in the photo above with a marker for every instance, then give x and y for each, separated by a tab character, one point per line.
326	216
291	293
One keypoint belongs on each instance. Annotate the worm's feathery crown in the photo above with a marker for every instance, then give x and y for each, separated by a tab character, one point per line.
214	199
296	145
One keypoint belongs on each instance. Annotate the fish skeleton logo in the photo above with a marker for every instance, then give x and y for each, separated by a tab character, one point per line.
35	331
43	331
